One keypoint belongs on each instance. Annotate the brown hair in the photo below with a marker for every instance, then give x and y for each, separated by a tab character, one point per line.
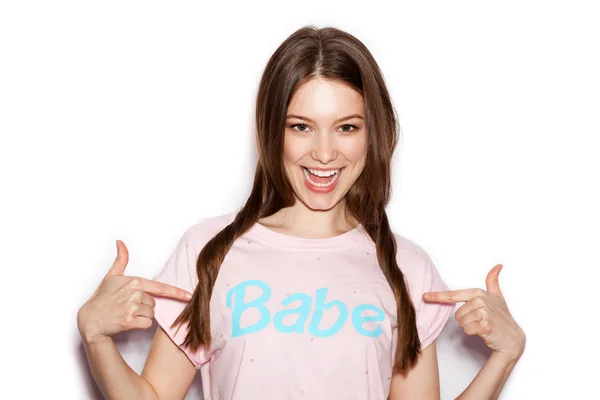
333	54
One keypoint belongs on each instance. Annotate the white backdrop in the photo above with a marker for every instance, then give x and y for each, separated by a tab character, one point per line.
131	120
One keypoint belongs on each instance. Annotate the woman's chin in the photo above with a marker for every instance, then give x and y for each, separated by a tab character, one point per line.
319	202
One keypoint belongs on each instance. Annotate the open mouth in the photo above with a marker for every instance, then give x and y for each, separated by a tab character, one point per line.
320	178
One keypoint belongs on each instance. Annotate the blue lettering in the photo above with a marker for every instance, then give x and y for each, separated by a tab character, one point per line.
320	306
236	299
303	311
358	319
239	307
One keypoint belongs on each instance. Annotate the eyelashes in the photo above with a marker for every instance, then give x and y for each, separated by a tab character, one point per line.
354	127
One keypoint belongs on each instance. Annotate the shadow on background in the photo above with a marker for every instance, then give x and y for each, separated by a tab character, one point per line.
472	347
460	357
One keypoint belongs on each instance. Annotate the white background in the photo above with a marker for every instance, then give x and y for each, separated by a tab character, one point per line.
133	119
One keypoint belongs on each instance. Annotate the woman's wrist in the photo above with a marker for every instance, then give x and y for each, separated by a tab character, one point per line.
506	358
90	337
94	340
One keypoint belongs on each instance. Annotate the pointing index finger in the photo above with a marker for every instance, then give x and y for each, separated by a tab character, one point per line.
164	290
451	296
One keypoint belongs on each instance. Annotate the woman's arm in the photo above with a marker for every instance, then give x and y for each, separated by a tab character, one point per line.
490	380
168	369
421	382
114	376
507	371
167	374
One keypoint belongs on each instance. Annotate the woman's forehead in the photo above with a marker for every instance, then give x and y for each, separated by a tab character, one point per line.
324	99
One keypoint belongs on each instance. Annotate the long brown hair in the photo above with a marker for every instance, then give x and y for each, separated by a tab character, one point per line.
329	53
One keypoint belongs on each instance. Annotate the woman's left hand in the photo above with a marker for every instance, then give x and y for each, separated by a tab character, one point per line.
486	314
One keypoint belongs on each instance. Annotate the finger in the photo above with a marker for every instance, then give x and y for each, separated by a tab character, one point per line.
470	317
164	289
453	296
474	328
118	267
144	311
148	300
492	282
142	322
473	304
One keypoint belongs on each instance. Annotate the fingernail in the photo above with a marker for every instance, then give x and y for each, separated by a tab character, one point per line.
188	296
427	296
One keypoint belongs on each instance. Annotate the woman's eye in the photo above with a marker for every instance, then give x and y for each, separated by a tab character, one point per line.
302	126
349	126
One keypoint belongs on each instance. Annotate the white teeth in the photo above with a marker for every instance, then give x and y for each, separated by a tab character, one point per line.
307	175
323	173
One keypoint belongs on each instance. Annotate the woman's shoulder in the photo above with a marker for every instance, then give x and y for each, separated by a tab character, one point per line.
412	259
205	228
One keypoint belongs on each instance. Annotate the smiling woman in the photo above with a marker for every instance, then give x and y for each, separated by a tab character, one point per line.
305	291
326	131
315	157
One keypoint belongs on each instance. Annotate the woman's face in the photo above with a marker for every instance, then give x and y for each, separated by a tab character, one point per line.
325	134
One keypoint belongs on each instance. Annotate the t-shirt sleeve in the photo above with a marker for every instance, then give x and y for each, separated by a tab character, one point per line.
179	271
431	317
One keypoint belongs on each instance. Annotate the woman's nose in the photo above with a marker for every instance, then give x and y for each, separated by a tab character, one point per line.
324	148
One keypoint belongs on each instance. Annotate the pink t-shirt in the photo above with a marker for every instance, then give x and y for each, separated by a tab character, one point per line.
299	318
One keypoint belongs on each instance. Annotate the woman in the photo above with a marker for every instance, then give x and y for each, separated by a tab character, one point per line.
305	292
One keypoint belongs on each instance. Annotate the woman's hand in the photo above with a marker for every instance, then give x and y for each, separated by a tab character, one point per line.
486	314
121	302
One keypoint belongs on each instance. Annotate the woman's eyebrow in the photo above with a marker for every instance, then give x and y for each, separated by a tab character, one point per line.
336	121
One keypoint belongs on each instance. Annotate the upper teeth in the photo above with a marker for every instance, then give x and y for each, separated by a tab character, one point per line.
323	173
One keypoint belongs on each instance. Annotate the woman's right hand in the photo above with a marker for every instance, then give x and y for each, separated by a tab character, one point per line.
122	302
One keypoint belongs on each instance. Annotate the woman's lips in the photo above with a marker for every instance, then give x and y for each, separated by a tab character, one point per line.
317	188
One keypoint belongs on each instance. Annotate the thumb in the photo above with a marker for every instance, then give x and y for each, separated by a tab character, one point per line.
491	282
118	267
